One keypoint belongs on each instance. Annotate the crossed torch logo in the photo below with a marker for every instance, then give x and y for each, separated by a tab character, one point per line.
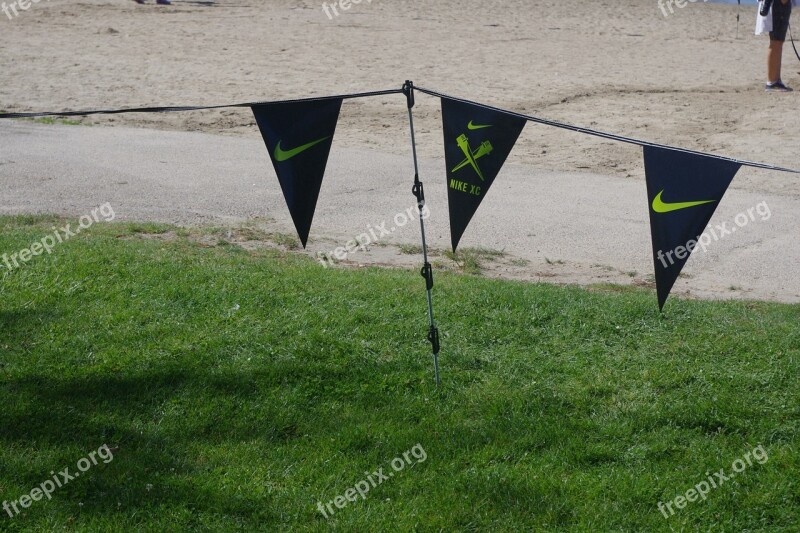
472	156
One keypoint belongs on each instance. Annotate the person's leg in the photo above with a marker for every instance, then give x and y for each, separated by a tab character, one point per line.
774	60
781	12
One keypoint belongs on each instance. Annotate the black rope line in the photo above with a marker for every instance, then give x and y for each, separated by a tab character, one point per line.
174	109
791	36
605	135
530	118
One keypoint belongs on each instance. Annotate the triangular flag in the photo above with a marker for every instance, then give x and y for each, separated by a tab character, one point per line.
477	142
298	136
683	191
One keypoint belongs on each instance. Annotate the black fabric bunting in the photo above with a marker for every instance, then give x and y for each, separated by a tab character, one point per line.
683	191
298	136
684	186
477	142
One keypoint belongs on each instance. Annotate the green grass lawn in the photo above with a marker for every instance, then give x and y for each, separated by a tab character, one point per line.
237	389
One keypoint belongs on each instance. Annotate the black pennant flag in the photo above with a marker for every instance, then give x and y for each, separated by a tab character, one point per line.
683	191
477	142
298	136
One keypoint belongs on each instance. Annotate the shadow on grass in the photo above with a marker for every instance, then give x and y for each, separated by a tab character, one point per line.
56	421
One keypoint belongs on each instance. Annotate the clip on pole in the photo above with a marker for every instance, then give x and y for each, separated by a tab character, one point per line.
408	90
427	270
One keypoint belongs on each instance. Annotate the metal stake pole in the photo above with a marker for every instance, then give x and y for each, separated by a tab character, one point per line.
427	271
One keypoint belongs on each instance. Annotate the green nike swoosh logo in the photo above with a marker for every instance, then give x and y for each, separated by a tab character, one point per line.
478	126
284	155
659	206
